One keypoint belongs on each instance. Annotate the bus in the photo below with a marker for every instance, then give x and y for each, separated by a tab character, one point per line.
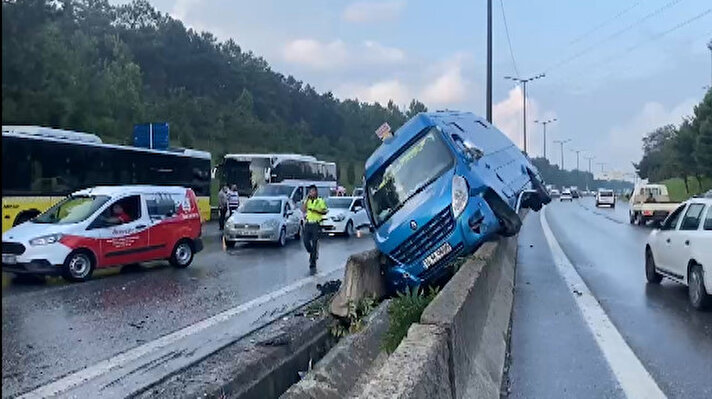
249	171
43	165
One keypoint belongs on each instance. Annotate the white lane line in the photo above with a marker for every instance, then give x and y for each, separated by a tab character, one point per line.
120	360
629	371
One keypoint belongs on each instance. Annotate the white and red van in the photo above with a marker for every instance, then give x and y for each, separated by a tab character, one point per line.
106	226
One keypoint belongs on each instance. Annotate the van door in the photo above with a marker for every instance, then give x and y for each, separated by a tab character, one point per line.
122	231
164	225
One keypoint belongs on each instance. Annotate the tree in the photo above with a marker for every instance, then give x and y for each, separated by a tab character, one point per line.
350	174
414	108
702	124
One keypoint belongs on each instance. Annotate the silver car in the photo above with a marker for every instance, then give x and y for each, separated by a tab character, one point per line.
270	219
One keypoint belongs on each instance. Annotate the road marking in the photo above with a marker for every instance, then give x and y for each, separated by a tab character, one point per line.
89	373
632	376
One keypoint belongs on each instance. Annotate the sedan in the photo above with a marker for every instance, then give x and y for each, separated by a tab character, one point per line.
345	216
265	219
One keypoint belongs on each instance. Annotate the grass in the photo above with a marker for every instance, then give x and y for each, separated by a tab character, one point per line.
676	187
354	321
403	311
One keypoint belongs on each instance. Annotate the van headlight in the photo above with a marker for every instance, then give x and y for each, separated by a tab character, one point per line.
45	240
460	195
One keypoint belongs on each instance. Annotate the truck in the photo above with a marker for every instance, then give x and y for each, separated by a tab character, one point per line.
650	203
444	183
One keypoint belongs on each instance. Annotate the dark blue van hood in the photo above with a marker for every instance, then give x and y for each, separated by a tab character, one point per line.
421	208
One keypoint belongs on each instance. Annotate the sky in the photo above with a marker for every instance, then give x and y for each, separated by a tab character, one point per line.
615	69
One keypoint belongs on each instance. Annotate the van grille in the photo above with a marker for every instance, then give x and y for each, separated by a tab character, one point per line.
425	239
14	248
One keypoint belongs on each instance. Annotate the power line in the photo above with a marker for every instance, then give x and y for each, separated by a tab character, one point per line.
614	35
509	40
602	24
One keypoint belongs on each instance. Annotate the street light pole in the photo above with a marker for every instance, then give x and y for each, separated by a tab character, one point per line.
489	61
524	92
544	123
577	157
562	142
589	170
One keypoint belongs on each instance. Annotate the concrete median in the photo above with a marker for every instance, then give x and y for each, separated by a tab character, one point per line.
460	343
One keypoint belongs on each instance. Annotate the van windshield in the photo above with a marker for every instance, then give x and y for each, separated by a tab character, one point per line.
407	174
72	209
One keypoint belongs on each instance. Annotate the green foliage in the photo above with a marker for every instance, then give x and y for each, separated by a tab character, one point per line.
350	174
403	311
89	66
678	191
354	321
680	152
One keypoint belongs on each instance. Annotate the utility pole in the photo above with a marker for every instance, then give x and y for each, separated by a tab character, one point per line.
544	123
524	92
577	157
489	62
562	142
589	170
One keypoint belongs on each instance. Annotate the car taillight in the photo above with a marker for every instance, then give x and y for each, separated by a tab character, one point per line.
647	213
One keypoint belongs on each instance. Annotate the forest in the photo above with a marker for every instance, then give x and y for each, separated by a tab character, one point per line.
86	65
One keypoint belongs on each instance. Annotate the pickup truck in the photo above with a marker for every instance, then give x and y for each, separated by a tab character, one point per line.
650	203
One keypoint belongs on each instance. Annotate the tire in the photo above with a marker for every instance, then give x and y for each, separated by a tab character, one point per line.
230	244
631	217
282	240
79	266
651	275
640	220
509	221
349	230
182	254
298	234
700	299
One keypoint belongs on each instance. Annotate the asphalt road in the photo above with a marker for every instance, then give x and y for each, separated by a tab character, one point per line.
554	352
52	329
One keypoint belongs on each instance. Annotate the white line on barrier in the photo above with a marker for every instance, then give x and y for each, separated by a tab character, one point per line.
632	376
77	378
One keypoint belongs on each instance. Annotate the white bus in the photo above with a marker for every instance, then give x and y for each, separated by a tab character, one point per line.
42	165
250	171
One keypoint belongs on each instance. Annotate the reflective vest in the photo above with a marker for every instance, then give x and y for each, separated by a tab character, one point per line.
316	209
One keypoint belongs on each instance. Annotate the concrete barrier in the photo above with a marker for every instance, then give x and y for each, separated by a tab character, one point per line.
362	277
466	324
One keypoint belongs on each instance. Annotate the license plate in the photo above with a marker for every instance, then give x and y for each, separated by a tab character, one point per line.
9	259
439	253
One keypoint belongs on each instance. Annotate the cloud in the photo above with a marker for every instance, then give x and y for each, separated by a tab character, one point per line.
373	11
379	92
624	142
449	86
337	54
181	8
316	54
508	117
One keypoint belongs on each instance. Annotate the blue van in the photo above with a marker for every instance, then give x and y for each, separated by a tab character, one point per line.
443	184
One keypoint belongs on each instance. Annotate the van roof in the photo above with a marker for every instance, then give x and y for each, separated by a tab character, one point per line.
411	128
134	189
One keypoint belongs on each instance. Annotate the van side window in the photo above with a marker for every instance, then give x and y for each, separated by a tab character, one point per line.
125	210
298	194
160	205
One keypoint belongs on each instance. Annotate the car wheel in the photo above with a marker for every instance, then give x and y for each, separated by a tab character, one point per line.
651	275
282	241
631	218
182	254
509	221
640	220
349	230
699	298
78	266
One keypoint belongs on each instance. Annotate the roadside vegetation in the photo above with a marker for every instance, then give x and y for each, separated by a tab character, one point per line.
681	156
404	310
356	319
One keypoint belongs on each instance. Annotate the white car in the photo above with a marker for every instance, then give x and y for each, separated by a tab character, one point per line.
271	219
554	192
681	250
566	196
345	216
605	197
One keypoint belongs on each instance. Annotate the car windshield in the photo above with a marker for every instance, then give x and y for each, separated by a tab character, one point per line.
269	190
72	209
606	193
261	205
338	203
408	173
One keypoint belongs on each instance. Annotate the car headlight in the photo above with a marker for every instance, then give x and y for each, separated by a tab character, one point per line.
45	240
230	224
339	217
270	224
460	195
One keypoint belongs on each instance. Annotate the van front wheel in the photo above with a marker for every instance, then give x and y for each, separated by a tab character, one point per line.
78	266
182	254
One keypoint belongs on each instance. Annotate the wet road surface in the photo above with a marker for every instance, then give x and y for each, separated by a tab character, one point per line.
52	329
554	353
